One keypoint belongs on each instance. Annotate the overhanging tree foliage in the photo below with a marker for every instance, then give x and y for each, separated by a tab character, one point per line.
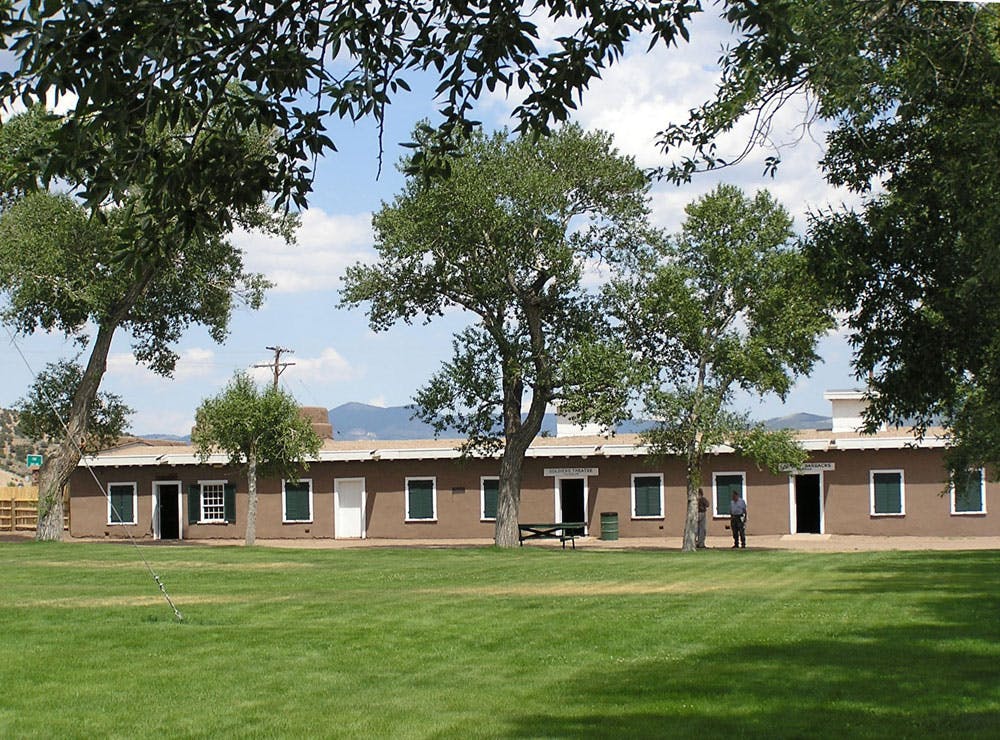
726	304
290	66
911	91
507	238
262	432
69	269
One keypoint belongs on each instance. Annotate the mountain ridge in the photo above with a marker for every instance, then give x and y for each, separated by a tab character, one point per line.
356	421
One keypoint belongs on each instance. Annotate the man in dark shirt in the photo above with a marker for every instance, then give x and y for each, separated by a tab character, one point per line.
738	520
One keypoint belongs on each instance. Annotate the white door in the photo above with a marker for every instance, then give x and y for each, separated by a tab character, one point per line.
349	508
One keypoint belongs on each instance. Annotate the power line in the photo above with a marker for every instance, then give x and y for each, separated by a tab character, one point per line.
104	489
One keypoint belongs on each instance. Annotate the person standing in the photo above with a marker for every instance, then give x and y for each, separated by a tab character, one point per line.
699	539
738	520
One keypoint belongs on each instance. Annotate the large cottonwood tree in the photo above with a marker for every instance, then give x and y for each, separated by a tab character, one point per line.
726	304
89	273
909	95
508	237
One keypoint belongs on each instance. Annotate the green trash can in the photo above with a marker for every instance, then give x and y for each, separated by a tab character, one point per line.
609	525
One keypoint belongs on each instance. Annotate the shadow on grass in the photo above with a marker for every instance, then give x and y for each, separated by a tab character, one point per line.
937	675
883	686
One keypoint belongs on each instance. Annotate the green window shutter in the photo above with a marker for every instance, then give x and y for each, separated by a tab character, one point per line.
491	493
888	493
969	498
420	499
194	503
647	496
725	486
121	504
296	502
229	502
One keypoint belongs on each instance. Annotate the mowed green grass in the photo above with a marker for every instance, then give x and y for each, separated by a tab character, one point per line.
464	643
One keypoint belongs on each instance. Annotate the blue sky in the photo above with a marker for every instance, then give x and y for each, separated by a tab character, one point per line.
338	359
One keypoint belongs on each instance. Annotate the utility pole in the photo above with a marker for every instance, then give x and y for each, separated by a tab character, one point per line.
277	367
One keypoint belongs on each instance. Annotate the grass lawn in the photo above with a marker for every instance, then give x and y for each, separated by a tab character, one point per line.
534	642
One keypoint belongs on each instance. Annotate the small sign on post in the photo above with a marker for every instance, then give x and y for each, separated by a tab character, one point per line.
34	461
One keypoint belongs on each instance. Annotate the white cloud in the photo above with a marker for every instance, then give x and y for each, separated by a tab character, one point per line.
327	367
378	401
192	363
326	245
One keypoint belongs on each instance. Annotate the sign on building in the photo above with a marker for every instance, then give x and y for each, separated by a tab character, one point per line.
570	472
809	467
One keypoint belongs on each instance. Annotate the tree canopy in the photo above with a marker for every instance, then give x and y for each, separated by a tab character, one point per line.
727	303
508	237
262	432
910	93
290	67
87	274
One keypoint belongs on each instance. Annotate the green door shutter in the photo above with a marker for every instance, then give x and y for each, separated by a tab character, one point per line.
121	504
725	486
194	503
647	496
296	502
969	498
888	499
229	502
420	499
491	492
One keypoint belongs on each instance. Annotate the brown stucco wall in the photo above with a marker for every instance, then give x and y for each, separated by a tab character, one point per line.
845	492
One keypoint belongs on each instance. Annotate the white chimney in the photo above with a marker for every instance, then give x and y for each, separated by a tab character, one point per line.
848	409
567	427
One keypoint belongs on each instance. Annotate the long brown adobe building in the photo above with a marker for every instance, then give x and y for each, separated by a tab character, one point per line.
885	484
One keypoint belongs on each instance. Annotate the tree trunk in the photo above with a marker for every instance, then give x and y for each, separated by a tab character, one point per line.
518	437
251	499
509	498
56	471
691	517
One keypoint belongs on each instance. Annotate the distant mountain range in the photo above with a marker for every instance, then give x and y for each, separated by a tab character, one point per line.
352	421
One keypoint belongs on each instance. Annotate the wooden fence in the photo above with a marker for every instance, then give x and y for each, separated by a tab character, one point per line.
19	509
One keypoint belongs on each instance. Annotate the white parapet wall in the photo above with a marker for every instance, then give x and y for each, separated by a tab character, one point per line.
848	409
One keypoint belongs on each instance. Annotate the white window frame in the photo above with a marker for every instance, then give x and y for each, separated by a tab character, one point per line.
902	492
201	501
982	496
135	504
662	514
715	491
434	497
284	519
482	497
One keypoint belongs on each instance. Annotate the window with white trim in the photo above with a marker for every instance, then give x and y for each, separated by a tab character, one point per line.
122	503
296	500
970	496
724	485
421	499
647	496
213	501
888	494
489	495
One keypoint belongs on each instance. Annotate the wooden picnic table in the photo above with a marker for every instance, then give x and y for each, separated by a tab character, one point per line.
561	531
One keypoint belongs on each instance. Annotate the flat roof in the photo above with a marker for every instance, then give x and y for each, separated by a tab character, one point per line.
153	452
